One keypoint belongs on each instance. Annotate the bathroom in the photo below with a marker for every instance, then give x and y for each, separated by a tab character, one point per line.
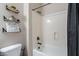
38	29
49	29
13	37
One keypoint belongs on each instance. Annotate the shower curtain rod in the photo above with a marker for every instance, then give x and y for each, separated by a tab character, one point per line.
41	6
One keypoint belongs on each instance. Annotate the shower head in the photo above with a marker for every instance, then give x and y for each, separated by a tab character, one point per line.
39	12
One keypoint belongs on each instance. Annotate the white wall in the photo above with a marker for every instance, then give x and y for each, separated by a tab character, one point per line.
56	16
54	7
28	15
36	28
36	24
55	24
7	39
55	29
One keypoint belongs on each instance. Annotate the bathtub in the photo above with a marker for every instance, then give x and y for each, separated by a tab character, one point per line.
50	51
38	53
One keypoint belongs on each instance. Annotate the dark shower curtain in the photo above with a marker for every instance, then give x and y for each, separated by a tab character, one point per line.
72	30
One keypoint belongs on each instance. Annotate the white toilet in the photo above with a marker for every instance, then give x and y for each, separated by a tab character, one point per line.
13	50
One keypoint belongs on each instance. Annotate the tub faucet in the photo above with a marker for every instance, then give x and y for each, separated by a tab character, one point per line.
39	43
38	38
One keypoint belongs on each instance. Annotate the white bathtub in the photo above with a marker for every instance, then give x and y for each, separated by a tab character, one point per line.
38	53
50	51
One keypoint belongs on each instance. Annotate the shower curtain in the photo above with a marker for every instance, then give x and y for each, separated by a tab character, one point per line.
72	30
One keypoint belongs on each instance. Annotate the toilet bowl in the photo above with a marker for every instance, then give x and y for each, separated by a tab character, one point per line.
13	50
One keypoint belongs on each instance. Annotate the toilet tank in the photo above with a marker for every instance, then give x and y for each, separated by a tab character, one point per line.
13	50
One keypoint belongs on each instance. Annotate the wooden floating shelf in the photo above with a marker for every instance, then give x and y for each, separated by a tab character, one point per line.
12	9
4	30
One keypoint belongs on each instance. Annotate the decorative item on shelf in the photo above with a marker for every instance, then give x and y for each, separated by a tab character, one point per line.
11	19
13	9
11	27
11	24
4	30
